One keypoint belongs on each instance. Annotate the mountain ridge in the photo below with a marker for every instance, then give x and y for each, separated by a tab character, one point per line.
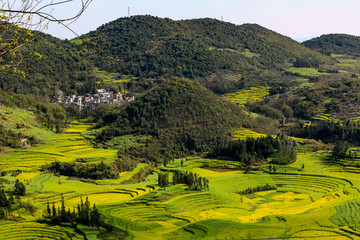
205	31
335	43
220	55
204	49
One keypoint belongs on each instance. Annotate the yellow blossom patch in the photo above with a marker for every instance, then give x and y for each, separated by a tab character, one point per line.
102	198
27	176
212	214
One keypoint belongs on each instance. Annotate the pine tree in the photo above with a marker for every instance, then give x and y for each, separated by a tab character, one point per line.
69	216
48	208
87	211
95	217
19	188
53	210
3	199
63	210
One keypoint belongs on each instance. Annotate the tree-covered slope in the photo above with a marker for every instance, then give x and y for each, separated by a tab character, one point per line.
217	53
62	66
150	46
180	116
335	43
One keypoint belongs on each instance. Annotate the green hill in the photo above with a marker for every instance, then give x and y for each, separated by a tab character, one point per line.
178	117
335	43
142	51
207	49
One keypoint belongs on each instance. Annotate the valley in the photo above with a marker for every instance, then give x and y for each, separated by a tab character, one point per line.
314	198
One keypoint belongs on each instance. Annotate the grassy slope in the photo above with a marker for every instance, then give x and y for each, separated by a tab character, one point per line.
66	147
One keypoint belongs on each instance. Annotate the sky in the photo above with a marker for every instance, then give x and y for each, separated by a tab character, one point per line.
298	19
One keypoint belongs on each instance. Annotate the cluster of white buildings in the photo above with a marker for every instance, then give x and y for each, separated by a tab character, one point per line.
89	101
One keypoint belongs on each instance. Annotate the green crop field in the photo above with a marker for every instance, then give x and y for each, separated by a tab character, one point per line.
316	196
32	230
306	72
113	77
349	63
242	134
65	148
251	95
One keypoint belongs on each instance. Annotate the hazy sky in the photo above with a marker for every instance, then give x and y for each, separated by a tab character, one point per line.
298	19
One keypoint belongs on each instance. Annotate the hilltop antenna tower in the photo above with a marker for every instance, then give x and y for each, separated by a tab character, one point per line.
222	18
128	12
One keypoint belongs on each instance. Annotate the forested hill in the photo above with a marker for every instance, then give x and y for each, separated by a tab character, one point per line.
62	66
151	46
220	55
335	43
180	116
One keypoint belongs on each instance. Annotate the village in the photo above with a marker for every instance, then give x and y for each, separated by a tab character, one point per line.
91	101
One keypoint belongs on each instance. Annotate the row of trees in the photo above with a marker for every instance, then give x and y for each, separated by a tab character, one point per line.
330	132
306	62
192	180
84	214
92	171
263	188
282	150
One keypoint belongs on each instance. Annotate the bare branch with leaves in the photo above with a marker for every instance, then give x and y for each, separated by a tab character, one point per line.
22	20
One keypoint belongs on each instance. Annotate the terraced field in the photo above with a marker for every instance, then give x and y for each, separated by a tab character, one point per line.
242	134
65	148
347	214
223	212
32	230
251	95
316	187
316	196
108	77
306	72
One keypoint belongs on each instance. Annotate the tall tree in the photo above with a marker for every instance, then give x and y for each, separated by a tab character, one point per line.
20	188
